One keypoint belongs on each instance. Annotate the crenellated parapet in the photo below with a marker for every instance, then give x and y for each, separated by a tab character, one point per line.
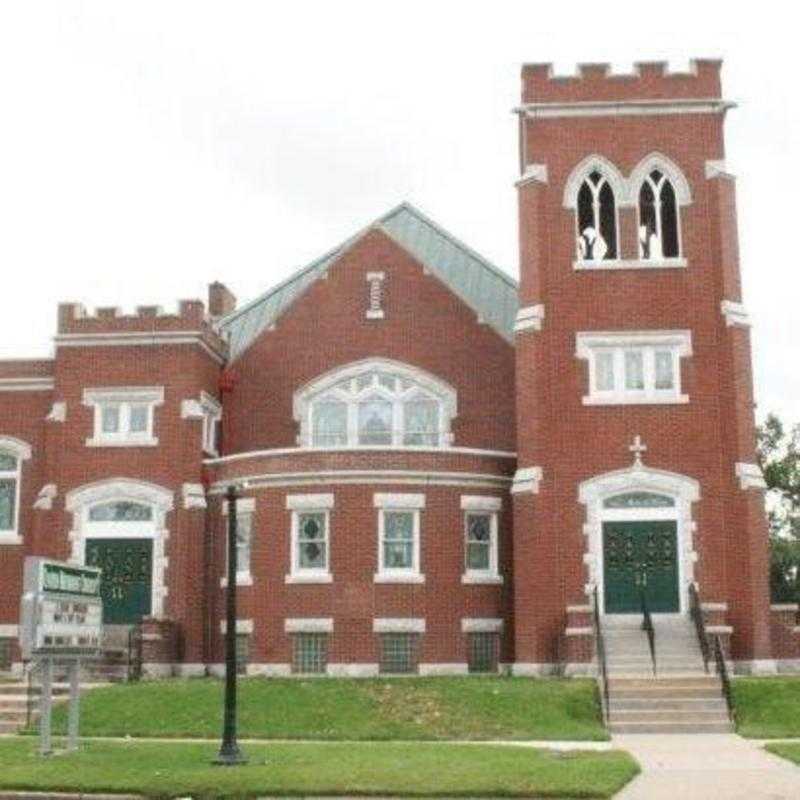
649	80
75	323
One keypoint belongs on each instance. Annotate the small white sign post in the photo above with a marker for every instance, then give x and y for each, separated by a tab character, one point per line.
62	623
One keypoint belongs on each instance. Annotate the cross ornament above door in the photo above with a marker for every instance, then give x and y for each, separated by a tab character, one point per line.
637	448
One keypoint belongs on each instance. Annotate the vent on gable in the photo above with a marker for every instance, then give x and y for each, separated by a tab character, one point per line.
375	282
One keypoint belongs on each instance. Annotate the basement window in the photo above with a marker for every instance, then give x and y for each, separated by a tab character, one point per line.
483	651
399	653
309	653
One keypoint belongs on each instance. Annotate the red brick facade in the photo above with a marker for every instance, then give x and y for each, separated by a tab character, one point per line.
520	412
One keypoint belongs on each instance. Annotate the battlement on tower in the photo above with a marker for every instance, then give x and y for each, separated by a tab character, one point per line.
649	80
191	319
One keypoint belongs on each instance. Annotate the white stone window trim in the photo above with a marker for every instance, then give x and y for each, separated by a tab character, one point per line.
474	505
300	504
21	451
79	501
308	625
631	263
124	397
735	314
244	627
482	625
212	418
682	489
529	318
424	383
750	476
399	503
398	625
527	480
245	506
590	343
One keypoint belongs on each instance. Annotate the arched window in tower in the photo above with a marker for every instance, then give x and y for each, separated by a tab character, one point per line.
597	219
659	236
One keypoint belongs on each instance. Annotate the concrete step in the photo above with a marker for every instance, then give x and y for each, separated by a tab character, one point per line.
670	727
657	715
676	682
686	704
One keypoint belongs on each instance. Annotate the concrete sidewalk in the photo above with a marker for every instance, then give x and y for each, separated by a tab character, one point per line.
706	767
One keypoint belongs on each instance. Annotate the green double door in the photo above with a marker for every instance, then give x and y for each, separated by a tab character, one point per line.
640	558
126	581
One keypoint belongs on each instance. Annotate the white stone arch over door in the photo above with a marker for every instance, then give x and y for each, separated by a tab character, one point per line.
161	500
682	489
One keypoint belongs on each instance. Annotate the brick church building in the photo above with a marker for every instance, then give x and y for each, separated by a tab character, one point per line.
440	470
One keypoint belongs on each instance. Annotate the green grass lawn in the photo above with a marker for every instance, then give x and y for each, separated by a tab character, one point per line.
767	708
391	709
285	769
787	750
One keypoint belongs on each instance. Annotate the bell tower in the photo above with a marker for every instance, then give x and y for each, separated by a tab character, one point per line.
631	329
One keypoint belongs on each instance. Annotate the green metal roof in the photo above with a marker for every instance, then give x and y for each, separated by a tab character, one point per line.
482	286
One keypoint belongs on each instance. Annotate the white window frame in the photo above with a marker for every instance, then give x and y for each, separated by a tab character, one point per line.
399	503
245	507
590	344
212	418
486	506
309	504
326	388
124	397
21	451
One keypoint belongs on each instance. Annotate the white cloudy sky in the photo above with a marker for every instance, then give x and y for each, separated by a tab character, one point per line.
147	148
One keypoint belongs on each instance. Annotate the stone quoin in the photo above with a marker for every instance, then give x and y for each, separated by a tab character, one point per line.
441	465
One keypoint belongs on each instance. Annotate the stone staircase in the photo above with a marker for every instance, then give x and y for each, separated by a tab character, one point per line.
680	698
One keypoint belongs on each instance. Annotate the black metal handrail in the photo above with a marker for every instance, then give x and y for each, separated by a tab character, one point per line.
696	611
135	652
600	648
722	671
647	627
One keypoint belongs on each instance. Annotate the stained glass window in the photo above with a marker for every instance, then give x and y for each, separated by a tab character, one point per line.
8	463
421	423
634	370
398	540
312	541
375	422
121	511
639	500
244	528
8	500
665	369
377	408
479	541
330	424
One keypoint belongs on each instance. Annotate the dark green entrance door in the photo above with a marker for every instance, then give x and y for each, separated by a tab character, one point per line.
126	583
640	557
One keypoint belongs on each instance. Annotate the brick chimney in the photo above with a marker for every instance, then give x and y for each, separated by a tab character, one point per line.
221	300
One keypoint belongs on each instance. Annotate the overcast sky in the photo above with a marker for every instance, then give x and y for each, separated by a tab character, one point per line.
147	148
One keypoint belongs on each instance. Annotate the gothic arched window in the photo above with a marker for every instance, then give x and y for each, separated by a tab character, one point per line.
659	235
597	219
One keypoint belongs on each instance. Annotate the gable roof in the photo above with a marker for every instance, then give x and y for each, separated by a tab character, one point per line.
488	291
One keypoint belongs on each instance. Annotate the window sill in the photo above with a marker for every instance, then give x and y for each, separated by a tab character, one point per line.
300	578
143	442
399	577
632	263
9	537
242	579
633	400
476	579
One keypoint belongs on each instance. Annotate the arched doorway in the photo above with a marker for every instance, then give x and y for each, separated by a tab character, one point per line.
640	539
119	525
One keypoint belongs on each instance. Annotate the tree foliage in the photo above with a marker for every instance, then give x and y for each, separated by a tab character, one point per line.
779	458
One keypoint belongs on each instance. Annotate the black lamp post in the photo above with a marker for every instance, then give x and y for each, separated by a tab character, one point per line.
229	752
